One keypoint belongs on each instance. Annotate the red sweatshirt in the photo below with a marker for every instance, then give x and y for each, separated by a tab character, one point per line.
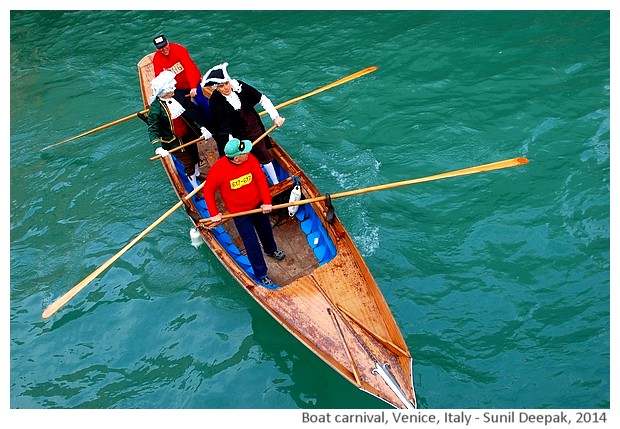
242	186
179	62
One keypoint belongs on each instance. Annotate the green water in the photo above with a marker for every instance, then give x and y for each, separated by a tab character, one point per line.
499	281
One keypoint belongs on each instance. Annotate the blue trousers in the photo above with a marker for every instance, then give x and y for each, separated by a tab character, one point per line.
248	227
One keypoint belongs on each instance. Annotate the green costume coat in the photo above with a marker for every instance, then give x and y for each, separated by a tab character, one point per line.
160	125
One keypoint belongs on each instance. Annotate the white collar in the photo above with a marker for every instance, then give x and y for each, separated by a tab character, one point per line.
174	107
233	100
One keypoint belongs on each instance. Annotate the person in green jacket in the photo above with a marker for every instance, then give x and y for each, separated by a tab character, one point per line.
175	120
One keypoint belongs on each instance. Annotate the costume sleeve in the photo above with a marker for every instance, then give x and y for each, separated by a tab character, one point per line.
220	122
193	113
269	107
152	120
203	104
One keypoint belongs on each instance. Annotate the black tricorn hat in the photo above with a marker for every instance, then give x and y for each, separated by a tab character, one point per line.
216	75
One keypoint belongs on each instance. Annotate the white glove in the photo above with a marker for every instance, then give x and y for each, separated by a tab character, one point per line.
161	152
205	133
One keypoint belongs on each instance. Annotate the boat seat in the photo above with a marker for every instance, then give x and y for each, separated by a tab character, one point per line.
283	186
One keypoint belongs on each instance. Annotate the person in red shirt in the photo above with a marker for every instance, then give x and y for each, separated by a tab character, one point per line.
243	186
176	58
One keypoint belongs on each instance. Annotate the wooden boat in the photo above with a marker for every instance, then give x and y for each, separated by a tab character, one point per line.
327	298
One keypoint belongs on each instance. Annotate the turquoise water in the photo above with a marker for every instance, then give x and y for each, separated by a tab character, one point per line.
499	281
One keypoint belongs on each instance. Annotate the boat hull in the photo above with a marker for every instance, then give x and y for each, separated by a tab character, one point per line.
326	297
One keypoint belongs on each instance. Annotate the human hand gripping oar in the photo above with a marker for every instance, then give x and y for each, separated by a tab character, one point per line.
463	172
94	130
55	306
294	100
153	158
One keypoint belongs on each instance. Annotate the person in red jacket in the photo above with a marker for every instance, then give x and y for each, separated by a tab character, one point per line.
176	58
243	186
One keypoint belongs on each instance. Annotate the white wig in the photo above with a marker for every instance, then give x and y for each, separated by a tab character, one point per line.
164	83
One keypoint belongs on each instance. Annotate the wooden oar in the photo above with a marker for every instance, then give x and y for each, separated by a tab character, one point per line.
94	130
262	136
293	100
465	171
53	308
153	158
286	103
326	87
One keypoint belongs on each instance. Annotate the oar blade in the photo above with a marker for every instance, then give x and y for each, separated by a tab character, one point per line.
56	305
326	87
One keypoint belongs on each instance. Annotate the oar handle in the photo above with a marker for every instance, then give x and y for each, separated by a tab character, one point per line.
263	135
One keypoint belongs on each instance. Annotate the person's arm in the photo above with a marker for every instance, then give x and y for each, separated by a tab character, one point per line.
266	104
191	69
220	124
152	120
192	112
